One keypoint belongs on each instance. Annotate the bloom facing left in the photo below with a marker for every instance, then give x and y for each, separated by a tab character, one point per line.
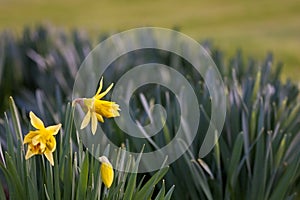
96	108
41	140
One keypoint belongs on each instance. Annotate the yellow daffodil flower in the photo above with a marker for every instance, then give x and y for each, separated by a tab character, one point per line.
107	172
41	141
96	108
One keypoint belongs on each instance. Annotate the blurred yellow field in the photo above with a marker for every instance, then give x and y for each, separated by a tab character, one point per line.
255	27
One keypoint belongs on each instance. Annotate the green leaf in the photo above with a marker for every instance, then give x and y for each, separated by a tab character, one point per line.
67	181
233	164
280	151
83	178
49	186
16	121
170	192
16	190
147	189
256	86
32	192
285	180
2	194
259	171
9	138
65	142
57	188
46	192
97	180
161	193
132	179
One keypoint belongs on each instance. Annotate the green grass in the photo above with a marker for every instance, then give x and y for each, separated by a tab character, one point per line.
256	27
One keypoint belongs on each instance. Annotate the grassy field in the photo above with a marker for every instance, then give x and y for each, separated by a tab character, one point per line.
256	27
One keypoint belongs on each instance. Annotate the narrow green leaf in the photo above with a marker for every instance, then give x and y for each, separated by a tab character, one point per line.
148	187
2	194
67	181
56	177
32	179
256	86
97	180
233	164
140	183
132	180
280	151
285	180
46	192
49	186
16	121
74	173
259	171
13	177
32	192
65	143
9	138
83	178
161	193
169	193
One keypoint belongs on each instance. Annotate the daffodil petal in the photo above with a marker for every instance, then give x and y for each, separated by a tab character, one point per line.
104	159
99	96
94	123
42	146
30	153
51	144
86	120
54	129
99	117
35	121
29	136
36	139
88	102
49	157
100	86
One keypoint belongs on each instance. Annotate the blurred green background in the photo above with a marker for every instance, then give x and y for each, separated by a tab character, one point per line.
255	27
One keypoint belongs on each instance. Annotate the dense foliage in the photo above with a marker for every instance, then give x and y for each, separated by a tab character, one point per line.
256	157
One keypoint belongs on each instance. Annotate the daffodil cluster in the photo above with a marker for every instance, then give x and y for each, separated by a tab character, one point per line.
42	140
